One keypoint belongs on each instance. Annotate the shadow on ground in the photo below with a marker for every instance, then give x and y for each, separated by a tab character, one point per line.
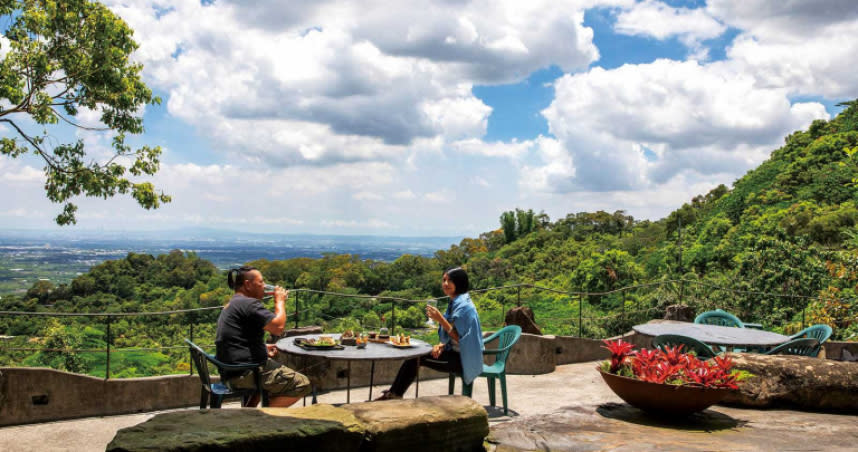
704	421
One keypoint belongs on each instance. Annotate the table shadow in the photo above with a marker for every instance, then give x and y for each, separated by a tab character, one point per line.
705	421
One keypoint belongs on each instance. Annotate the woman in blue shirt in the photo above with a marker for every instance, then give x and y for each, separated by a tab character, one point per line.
461	338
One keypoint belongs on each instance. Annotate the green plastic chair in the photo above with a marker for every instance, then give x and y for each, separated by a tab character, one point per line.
702	350
213	394
507	337
801	347
720	318
820	332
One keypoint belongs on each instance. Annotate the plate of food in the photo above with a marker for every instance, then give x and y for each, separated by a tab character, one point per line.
323	342
400	341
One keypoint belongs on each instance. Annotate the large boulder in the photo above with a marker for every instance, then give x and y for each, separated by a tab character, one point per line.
319	428
796	381
523	317
449	423
439	423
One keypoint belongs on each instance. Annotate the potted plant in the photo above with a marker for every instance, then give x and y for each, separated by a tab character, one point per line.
667	382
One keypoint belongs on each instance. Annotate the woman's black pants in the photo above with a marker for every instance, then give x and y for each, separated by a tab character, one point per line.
448	361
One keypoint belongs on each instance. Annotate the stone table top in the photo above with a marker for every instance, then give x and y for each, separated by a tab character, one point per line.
374	351
713	334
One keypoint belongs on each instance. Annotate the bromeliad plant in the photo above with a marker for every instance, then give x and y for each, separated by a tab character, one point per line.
669	366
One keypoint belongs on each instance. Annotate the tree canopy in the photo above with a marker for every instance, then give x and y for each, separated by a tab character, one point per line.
60	57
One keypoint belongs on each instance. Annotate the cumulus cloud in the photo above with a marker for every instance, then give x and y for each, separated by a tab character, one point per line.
709	119
658	20
310	84
795	45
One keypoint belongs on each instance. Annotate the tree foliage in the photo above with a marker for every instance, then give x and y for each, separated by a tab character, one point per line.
62	57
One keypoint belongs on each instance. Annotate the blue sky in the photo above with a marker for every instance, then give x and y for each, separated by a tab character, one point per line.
372	117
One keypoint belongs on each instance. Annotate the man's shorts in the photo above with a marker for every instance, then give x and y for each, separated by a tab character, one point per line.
277	380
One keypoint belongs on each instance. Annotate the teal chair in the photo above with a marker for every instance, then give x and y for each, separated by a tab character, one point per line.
214	393
720	318
820	332
507	337
702	350
801	347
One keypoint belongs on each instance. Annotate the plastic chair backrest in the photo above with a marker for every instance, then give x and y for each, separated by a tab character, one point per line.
690	344
200	359
802	347
507	337
720	318
820	332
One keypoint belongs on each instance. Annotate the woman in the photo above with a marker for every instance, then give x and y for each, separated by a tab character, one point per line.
461	339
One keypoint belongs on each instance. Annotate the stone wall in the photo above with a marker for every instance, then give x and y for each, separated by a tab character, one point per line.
29	395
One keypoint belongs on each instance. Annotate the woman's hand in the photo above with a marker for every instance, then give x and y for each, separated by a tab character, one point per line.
433	313
437	349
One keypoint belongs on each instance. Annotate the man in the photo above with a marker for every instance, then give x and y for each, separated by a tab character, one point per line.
241	329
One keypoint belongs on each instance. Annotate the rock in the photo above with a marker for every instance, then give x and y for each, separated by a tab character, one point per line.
448	423
796	381
679	312
620	427
431	424
318	428
523	317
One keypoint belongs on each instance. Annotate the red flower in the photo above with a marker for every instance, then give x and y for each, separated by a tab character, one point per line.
619	351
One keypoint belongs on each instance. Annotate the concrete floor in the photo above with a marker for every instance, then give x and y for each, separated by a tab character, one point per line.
571	388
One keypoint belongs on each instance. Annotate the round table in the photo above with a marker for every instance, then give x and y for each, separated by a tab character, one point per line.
726	336
373	352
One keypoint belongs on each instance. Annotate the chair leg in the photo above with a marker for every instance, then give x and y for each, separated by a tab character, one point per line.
467	389
451	385
491	382
204	398
503	393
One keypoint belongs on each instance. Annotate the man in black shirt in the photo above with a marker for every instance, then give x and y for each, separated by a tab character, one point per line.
241	329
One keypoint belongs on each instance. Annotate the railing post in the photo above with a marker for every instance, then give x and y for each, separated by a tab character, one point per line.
107	365
190	356
581	315
623	309
297	297
392	316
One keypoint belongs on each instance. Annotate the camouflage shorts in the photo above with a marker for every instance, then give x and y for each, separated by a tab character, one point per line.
277	379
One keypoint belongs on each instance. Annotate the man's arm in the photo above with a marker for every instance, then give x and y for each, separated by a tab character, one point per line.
278	323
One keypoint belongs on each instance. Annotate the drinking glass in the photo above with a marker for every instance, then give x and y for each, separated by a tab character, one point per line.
434	303
269	291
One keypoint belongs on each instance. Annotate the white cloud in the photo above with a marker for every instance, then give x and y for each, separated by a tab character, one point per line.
661	21
314	86
405	194
802	47
367	196
709	119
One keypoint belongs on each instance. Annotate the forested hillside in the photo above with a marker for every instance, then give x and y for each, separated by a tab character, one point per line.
786	228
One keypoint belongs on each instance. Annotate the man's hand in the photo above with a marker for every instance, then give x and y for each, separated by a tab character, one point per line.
280	294
272	350
436	350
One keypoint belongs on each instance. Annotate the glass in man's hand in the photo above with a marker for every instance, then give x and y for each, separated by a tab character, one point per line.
269	291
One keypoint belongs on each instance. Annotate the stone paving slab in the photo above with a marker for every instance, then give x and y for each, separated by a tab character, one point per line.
572	404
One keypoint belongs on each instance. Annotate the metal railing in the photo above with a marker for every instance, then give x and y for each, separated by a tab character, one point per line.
633	308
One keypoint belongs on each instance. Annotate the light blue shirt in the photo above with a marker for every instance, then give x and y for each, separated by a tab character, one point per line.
462	314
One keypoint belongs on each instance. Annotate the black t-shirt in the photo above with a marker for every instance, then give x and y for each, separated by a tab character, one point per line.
240	333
